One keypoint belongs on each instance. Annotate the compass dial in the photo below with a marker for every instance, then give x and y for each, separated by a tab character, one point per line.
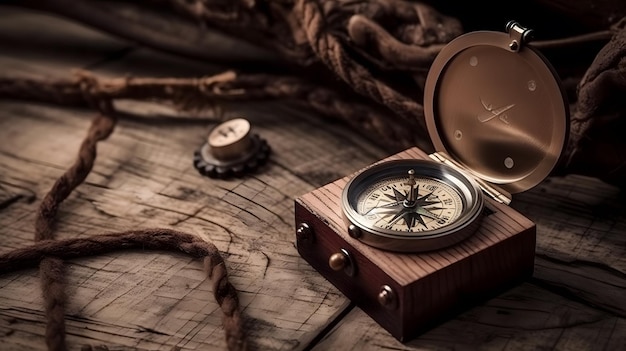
411	205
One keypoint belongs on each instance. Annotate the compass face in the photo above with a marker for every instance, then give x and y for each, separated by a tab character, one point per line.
387	204
411	205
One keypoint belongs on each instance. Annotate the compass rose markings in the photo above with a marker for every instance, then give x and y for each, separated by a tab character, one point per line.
397	210
412	211
409	205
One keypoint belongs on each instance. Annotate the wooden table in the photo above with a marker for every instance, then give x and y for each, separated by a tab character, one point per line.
144	177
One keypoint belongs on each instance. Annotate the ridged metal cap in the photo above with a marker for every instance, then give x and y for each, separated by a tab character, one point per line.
231	150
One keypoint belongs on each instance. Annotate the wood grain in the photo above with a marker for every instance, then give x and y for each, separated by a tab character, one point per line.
526	317
146	300
143	177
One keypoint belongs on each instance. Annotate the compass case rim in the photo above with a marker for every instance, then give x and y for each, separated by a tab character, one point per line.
428	240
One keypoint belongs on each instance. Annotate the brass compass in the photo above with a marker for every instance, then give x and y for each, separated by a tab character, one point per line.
498	118
411	205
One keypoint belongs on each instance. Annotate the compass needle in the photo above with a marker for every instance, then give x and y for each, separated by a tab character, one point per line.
371	209
381	207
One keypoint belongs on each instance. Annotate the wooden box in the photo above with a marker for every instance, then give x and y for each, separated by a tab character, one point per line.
426	288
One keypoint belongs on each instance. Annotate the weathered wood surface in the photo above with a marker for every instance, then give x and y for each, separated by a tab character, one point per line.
143	177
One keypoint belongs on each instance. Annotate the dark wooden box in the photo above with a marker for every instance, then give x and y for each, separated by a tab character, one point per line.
428	287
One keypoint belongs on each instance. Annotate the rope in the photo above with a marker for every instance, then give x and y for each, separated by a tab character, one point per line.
49	254
148	239
51	269
100	129
331	51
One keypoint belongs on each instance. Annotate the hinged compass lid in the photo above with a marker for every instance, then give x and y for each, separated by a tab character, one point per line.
495	105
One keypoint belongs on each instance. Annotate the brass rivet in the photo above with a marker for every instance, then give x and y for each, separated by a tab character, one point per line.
337	261
343	260
304	232
386	297
354	231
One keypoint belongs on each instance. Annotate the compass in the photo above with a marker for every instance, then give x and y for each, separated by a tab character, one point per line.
497	116
411	236
411	205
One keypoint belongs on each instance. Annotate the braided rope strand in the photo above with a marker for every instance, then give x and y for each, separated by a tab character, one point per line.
49	254
51	269
148	239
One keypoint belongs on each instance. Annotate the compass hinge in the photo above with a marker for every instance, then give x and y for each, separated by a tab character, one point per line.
519	35
491	190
